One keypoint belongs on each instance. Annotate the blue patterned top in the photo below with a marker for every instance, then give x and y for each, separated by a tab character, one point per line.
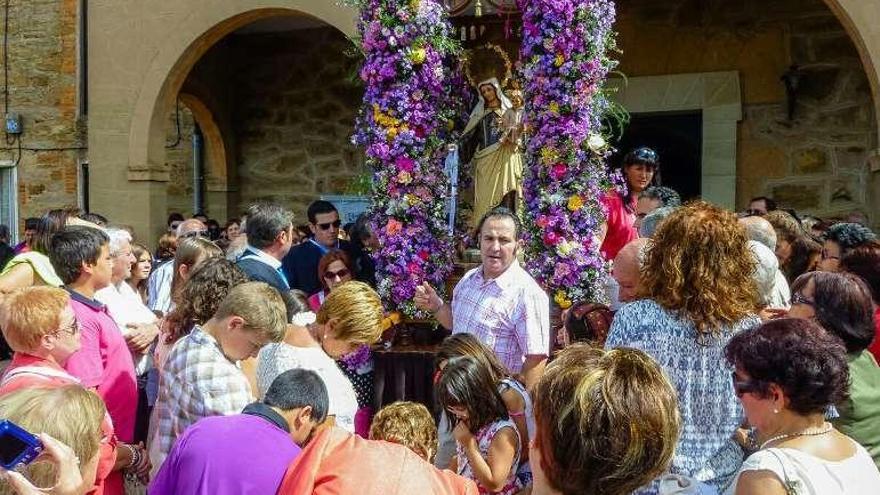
710	410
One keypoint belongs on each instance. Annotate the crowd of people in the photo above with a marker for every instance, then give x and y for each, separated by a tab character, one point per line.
733	353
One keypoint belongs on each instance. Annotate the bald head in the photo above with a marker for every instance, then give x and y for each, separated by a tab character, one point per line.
627	268
190	226
760	230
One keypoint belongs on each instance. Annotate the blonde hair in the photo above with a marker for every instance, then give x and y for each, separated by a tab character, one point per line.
70	413
408	424
357	310
30	313
607	421
259	305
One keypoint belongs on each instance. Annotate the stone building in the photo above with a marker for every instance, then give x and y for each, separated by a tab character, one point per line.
111	92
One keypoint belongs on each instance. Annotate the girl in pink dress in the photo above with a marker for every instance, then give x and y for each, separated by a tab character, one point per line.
488	446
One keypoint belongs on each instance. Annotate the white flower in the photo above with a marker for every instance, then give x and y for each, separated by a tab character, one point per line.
565	247
596	142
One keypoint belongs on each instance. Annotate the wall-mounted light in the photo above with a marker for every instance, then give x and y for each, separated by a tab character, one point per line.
792	81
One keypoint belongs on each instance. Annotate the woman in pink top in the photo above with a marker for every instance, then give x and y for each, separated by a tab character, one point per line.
641	169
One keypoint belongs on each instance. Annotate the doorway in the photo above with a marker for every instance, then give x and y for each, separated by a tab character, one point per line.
677	137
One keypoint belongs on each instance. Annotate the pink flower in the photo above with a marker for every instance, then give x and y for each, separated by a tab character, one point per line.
557	171
551	238
405	163
542	221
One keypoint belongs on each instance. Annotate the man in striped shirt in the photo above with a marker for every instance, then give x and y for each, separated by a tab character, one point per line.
498	302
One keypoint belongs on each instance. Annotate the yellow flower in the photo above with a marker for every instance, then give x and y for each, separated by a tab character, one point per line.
411	199
548	155
418	56
404	177
554	107
560	60
575	203
561	300
414	5
392	133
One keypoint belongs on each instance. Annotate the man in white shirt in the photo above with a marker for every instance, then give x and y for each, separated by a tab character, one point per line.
137	323
159	283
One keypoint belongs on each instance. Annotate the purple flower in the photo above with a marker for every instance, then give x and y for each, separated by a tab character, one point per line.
565	62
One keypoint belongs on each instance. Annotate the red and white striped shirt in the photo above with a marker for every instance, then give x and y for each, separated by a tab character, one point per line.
510	314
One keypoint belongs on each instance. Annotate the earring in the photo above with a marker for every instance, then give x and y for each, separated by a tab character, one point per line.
776	411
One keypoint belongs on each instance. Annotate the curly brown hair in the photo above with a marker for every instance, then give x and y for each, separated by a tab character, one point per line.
201	295
700	266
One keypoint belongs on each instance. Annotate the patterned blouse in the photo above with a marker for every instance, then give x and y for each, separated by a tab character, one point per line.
710	410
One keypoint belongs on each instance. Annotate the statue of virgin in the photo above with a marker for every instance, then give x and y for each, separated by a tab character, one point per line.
496	158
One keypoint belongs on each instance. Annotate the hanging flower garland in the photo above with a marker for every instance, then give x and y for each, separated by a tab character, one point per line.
404	126
565	63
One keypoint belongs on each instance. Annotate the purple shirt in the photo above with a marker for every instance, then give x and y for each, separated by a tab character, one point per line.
228	455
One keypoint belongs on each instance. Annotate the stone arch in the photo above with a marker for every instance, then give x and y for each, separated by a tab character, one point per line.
859	19
138	63
175	62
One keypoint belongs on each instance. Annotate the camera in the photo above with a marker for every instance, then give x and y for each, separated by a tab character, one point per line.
18	447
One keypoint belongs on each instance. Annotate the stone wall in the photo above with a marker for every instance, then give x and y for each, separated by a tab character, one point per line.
817	161
295	110
294	125
179	156
291	104
43	85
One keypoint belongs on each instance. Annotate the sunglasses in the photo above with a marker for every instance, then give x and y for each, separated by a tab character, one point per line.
646	154
339	274
742	387
326	226
753	213
798	298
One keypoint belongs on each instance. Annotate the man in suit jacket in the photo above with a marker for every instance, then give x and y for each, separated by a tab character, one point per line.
270	236
301	264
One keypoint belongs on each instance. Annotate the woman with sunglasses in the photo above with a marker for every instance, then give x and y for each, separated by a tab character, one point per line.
841	303
333	269
640	169
796	451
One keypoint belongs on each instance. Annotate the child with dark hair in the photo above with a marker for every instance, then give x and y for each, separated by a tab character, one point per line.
488	445
81	258
513	393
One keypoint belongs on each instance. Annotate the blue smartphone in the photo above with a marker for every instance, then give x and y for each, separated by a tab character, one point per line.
18	447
